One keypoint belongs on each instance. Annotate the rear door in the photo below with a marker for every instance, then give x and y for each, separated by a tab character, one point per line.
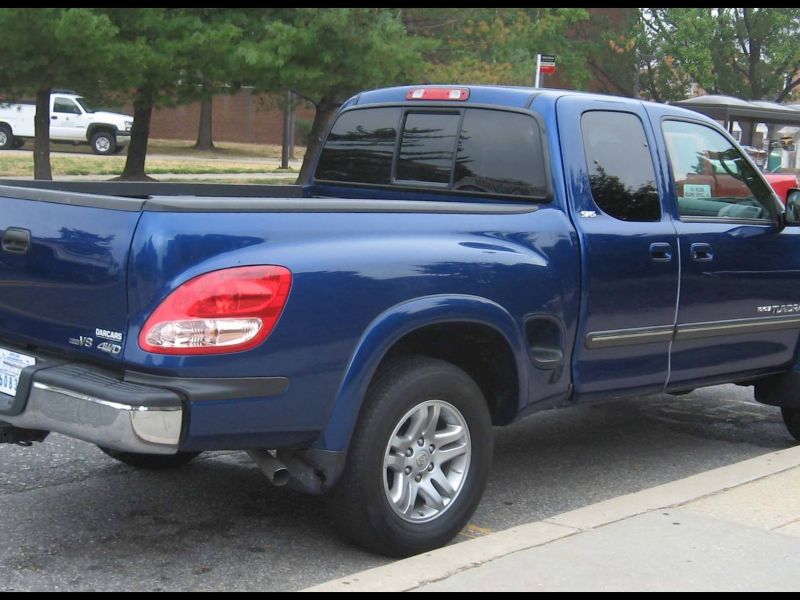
629	247
63	271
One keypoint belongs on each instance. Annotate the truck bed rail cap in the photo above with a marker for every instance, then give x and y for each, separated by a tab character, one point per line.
326	205
59	197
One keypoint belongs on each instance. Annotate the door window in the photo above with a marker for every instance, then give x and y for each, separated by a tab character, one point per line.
64	105
621	173
713	180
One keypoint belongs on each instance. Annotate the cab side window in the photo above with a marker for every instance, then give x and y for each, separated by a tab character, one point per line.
713	180
64	105
621	173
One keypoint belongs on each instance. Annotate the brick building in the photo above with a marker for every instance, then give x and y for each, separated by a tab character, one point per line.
241	117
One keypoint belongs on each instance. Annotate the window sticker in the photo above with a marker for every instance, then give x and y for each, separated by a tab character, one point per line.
695	190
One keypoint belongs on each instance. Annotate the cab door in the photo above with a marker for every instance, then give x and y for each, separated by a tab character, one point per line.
739	310
66	120
629	247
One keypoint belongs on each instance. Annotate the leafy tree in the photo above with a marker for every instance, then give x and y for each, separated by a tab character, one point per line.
751	53
499	45
215	69
326	55
170	57
46	48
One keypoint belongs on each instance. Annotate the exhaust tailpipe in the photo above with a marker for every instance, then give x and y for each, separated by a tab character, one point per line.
275	470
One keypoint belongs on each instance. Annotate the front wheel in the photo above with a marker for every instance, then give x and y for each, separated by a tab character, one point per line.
151	462
104	143
791	418
419	459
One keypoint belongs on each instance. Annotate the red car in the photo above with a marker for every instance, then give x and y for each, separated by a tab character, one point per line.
782	183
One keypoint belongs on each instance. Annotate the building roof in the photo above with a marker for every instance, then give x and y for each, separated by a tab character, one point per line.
728	108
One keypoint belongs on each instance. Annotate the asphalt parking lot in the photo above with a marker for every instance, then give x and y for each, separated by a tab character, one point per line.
74	519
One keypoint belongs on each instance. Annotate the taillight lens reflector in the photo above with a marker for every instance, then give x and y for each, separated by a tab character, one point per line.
223	311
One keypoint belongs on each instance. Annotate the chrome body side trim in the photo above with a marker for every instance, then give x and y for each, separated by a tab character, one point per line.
689	331
628	337
697	331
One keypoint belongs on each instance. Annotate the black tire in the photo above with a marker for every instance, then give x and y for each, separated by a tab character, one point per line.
791	418
152	462
104	143
7	139
359	503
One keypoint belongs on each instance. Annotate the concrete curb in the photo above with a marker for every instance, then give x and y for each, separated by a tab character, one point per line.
411	573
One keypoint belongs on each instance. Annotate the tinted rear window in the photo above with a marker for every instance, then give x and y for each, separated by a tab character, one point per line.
360	148
500	153
471	151
428	147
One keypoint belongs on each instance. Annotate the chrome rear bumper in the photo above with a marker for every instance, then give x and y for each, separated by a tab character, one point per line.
92	406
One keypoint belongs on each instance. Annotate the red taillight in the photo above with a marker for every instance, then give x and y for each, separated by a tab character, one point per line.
439	94
223	311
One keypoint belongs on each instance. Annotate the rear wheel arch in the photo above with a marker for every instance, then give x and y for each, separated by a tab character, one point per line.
404	329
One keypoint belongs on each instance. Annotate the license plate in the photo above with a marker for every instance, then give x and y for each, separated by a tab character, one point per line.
11	365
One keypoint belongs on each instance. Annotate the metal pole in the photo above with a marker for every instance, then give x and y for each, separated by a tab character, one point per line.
286	131
292	125
537	79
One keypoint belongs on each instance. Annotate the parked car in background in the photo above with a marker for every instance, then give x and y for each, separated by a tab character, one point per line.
782	183
71	120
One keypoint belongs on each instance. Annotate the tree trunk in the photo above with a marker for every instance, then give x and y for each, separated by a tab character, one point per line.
326	111
140	135
205	136
41	144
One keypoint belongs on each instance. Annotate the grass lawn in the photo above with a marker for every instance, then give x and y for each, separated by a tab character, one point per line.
223	150
164	157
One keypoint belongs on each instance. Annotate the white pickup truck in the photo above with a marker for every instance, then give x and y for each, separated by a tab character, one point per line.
72	120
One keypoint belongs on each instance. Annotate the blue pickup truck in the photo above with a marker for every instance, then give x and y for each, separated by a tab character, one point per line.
462	258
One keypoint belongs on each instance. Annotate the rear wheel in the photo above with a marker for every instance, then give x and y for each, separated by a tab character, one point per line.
6	138
152	462
104	143
419	459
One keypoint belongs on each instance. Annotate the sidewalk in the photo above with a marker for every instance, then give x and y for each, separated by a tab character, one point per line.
736	528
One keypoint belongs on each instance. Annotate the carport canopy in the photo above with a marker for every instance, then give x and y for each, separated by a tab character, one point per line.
747	113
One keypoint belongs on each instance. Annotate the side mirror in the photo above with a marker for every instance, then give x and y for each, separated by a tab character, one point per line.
792	214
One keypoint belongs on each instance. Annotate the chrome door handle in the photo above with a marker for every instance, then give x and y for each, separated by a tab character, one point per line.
702	252
661	252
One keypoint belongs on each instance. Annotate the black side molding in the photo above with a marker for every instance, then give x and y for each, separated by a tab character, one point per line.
209	389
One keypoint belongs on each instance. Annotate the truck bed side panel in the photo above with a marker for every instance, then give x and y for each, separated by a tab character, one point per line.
349	268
